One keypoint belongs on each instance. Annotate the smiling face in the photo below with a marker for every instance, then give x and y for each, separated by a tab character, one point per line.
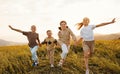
63	25
33	28
86	21
49	33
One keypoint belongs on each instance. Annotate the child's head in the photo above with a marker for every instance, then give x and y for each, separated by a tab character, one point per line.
49	33
85	22
33	28
63	25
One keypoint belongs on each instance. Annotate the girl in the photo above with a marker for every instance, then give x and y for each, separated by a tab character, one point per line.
87	36
50	42
32	38
64	40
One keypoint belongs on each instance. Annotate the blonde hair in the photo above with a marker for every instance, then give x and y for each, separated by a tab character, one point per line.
79	25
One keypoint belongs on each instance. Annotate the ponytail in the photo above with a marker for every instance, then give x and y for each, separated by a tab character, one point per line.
79	25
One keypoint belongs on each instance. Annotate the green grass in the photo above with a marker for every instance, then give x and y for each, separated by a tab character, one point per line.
106	60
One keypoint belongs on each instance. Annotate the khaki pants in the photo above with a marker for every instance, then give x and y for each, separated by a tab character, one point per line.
50	54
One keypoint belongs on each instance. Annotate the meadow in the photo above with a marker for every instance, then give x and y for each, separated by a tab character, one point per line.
106	60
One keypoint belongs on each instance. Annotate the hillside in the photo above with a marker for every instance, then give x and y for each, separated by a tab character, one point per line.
107	36
106	60
8	43
115	36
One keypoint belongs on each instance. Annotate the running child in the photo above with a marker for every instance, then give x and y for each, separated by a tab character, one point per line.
64	40
50	46
34	41
87	36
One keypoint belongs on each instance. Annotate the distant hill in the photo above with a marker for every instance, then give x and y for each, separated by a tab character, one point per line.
8	43
115	36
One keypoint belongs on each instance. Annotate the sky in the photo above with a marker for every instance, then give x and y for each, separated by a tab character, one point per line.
46	15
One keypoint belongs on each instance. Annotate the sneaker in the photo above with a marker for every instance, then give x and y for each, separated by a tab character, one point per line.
87	72
52	65
35	64
60	64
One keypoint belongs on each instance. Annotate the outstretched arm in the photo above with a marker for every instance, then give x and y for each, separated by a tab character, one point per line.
15	29
103	24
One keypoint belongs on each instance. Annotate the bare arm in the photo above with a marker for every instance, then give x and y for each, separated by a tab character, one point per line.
103	24
73	35
76	42
38	41
15	29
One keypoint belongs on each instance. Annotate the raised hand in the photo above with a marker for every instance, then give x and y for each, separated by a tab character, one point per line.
15	29
10	27
113	21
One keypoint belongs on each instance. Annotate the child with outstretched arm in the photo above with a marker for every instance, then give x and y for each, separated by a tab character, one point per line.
87	36
34	41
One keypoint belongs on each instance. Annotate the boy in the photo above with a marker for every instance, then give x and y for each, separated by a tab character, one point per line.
34	41
50	43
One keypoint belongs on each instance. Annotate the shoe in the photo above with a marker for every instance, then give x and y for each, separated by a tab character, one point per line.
87	72
60	64
52	66
35	64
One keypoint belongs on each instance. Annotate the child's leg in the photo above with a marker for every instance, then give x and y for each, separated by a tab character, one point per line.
64	51
52	57
48	54
86	57
91	46
34	54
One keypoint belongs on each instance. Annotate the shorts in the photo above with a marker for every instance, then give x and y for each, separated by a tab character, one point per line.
88	45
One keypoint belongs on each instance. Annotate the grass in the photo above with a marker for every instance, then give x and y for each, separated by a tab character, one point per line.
106	60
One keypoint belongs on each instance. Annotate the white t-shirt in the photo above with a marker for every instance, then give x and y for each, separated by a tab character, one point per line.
87	33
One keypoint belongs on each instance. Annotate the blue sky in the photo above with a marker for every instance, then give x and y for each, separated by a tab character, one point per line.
46	14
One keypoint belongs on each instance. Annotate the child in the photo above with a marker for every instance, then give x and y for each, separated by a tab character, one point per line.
32	37
50	42
87	36
64	40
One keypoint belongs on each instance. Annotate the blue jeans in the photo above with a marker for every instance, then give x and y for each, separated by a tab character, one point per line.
34	54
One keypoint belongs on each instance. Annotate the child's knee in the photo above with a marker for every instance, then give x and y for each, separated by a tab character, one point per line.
63	55
51	56
86	56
